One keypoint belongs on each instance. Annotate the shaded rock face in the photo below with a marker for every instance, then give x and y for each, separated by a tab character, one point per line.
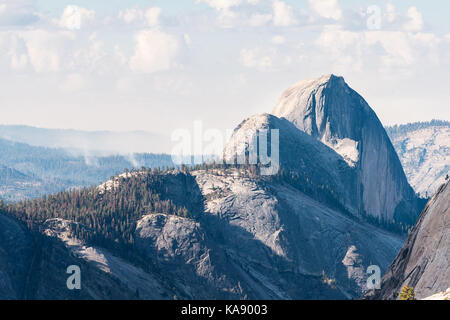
330	111
424	261
289	242
16	248
180	247
104	275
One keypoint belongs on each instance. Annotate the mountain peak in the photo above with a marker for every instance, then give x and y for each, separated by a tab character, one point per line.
329	110
315	83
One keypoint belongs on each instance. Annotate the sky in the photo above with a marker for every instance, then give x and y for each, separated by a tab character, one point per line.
159	66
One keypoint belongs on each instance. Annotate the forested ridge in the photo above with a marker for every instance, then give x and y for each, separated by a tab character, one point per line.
405	128
101	217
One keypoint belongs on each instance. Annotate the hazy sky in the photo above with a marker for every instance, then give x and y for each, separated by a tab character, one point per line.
160	65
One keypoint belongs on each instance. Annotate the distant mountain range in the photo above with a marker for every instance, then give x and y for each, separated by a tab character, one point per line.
29	172
422	147
88	143
339	203
424	150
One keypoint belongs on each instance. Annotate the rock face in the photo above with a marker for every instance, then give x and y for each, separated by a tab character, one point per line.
439	296
16	248
424	261
261	240
288	243
300	153
424	150
330	111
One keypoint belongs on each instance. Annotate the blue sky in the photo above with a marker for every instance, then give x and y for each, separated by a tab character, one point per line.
161	65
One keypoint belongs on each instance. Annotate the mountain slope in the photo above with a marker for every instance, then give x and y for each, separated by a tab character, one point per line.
277	233
330	111
424	150
424	261
211	234
15	185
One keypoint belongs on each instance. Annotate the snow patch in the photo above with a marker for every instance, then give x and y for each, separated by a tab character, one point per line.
347	148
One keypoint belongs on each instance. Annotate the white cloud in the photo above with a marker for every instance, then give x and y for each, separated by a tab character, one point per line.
341	46
329	9
119	56
251	58
397	47
14	52
226	4
46	49
283	14
187	39
124	84
259	19
130	15
73	82
19	61
149	17
447	37
415	20
388	51
90	57
152	16
227	18
2	8
391	13
155	51
74	17
221	4
278	39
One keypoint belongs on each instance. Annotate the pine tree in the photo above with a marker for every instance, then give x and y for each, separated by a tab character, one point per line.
407	293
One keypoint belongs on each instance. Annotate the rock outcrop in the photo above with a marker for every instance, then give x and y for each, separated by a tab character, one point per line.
320	166
292	245
330	111
444	295
424	261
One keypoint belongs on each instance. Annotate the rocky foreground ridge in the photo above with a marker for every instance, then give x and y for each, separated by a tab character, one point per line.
424	261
